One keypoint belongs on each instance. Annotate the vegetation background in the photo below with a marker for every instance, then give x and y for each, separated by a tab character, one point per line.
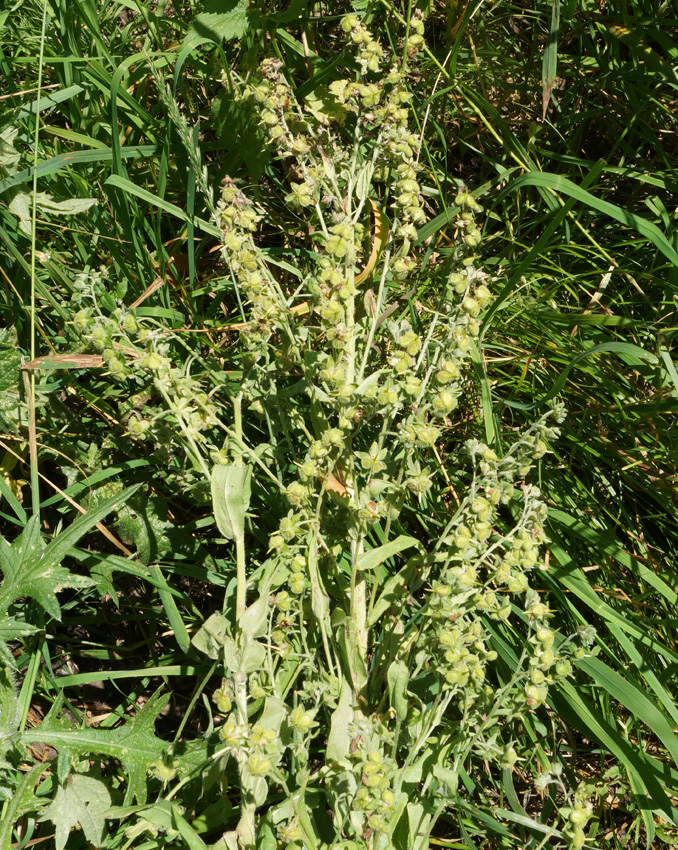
115	125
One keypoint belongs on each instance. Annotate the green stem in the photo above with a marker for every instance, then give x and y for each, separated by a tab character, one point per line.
359	598
33	448
241	566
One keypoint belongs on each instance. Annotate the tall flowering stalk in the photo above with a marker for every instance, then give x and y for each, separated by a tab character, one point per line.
365	670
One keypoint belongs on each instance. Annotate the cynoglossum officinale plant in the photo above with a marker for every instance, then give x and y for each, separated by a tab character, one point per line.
366	663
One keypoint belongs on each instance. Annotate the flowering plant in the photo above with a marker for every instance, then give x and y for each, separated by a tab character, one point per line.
366	672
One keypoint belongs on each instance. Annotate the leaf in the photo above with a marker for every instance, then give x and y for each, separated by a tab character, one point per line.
326	107
165	815
32	569
9	156
635	700
550	61
9	710
80	801
66	361
394	592
626	350
22	800
228	21
11	629
22	205
231	498
213	635
254	619
134	743
339	739
381	230
374	557
320	601
127	186
71	206
397	676
556	183
253	657
363	182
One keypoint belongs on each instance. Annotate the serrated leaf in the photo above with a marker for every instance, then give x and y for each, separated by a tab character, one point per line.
32	569
11	629
231	498
223	20
80	801
134	743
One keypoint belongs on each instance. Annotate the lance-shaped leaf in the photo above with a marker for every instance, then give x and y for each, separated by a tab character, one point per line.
397	676
231	498
22	800
374	557
9	711
32	569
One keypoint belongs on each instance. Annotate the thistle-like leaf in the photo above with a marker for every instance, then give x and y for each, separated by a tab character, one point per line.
81	801
32	569
134	744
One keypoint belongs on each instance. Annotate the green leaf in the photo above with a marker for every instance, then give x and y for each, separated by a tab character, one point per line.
635	700
23	800
231	498
132	189
326	107
339	739
254	619
70	206
9	155
229	21
374	557
22	202
556	183
11	629
320	601
394	593
80	801
253	657
213	635
32	569
627	351
134	743
550	61
9	710
397	676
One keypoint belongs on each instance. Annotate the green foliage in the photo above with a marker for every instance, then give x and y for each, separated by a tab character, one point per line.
276	309
81	801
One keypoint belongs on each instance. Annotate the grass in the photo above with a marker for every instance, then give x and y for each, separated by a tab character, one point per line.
579	226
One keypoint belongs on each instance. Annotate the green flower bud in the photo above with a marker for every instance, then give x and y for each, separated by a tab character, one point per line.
258	765
164	772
